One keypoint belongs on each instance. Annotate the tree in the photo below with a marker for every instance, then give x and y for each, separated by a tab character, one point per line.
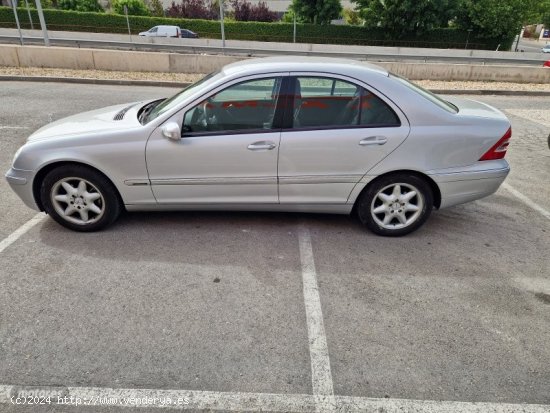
80	5
194	9
316	11
156	8
135	7
541	13
243	10
494	18
407	18
352	17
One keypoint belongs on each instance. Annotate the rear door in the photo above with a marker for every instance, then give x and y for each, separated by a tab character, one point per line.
335	131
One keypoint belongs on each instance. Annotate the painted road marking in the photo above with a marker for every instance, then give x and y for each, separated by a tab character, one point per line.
321	376
527	201
236	402
14	127
22	230
540	116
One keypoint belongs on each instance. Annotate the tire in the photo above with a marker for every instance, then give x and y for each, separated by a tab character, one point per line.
80	198
394	218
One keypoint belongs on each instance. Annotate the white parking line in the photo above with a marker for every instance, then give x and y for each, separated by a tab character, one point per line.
14	127
266	402
15	235
526	200
321	376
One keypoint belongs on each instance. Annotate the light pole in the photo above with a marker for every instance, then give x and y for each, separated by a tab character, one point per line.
128	22
14	6
294	34
519	37
29	11
222	25
468	38
42	22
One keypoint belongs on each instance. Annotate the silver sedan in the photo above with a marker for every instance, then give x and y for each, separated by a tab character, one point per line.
274	134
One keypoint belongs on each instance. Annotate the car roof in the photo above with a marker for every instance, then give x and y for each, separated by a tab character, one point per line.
302	64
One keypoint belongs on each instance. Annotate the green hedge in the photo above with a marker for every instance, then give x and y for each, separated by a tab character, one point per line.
274	32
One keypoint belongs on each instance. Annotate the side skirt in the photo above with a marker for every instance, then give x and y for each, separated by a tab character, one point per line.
313	208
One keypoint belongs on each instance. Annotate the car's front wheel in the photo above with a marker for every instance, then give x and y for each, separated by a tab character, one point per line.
395	205
80	198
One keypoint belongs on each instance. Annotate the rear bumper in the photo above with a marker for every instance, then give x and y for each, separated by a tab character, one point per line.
21	183
465	184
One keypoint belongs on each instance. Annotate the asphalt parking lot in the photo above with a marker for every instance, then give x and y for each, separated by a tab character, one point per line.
281	312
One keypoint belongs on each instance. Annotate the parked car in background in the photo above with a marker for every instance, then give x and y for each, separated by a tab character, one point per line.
546	64
162	31
546	49
276	134
188	34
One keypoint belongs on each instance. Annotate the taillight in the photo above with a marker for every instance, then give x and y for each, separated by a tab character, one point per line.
498	150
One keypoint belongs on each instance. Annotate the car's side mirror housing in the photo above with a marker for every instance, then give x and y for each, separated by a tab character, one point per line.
171	131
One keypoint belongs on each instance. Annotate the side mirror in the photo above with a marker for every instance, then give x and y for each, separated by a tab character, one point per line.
171	131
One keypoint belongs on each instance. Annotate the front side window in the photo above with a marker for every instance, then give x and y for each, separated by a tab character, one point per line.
180	97
245	106
321	102
153	30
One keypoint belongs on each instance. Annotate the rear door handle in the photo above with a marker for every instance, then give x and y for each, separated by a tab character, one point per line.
262	145
373	140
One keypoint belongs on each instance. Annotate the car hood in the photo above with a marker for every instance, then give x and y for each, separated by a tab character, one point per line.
95	121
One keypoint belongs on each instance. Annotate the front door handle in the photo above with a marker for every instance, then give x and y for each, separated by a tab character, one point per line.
373	140
262	145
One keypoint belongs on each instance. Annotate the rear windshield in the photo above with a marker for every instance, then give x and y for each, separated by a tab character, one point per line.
449	107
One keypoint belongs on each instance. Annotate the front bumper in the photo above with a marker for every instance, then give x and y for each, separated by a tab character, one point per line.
21	183
469	183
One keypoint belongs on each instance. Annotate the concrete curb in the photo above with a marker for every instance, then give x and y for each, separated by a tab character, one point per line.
84	80
491	92
156	83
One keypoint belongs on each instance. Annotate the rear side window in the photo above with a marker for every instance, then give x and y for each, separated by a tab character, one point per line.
321	102
449	107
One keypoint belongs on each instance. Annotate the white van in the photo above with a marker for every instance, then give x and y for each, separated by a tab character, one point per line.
162	31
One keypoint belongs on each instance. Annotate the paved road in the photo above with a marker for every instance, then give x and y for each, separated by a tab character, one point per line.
531	55
532	46
458	311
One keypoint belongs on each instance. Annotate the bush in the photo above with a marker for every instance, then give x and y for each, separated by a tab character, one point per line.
270	32
135	7
352	17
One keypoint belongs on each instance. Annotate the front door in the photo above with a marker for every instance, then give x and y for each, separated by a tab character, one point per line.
228	151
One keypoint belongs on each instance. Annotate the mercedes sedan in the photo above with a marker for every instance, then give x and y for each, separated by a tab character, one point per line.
274	134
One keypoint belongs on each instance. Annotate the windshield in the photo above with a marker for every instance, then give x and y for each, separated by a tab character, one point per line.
449	107
175	100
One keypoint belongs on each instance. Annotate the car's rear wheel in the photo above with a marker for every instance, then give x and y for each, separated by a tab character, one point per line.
80	198
396	204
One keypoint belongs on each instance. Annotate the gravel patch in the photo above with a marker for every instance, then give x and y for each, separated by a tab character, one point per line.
100	74
442	85
188	78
